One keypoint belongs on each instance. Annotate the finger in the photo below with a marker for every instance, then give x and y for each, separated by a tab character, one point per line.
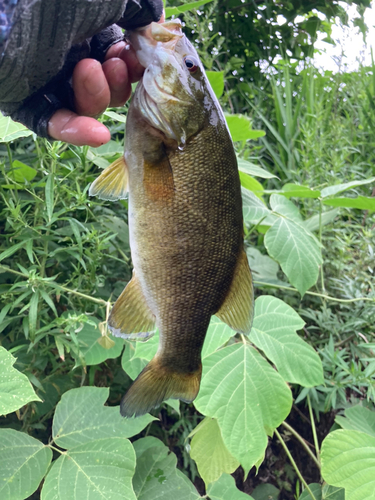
135	68
91	90
116	73
79	130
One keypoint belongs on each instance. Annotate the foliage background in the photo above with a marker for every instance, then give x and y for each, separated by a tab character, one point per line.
65	256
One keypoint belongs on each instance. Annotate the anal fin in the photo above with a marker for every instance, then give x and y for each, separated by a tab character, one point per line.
237	310
112	183
131	317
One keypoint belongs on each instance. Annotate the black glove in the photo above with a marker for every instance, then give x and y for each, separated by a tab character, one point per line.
37	64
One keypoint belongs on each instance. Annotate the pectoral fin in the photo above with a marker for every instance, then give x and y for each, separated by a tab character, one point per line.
112	183
238	308
130	316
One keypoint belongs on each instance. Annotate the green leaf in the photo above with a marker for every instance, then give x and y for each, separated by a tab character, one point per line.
313	223
316	490
240	128
216	79
248	398
49	195
266	492
23	463
274	331
21	173
263	268
361	202
175	11
10	130
11	250
250	168
358	418
285	207
115	116
93	353
225	489
251	184
297	251
254	210
137	354
339	188
332	493
156	475
33	311
298	191
15	388
218	334
348	461
81	418
210	452
100	469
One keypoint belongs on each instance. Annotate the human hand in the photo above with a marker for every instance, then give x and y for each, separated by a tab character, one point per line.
96	86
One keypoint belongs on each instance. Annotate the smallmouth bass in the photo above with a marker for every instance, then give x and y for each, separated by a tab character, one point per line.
185	218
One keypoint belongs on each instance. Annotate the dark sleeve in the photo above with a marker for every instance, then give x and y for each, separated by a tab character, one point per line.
39	56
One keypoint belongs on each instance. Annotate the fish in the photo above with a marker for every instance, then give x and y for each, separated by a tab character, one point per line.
179	172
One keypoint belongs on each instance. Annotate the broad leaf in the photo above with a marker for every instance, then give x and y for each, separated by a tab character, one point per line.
325	492
248	398
254	210
250	168
93	352
285	207
266	492
263	268
80	418
175	11
97	470
218	334
297	251
313	223
15	388
348	461
210	452
21	172
156	476
274	331
316	489
251	184
23	464
240	128
340	188
358	418
10	130
138	353
298	191
100	461
216	79
361	202
225	489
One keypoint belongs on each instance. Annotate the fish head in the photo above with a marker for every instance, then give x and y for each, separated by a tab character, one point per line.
172	95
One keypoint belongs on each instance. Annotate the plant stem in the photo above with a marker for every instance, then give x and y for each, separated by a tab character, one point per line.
55	285
294	464
302	441
320	240
315	294
316	442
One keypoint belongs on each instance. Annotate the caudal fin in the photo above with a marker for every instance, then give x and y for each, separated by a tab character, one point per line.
157	383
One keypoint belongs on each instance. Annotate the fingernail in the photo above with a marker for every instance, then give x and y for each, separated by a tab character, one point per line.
95	80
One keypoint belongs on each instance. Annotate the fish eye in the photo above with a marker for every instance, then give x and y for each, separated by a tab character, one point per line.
191	63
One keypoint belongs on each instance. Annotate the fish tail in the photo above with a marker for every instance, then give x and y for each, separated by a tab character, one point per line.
157	383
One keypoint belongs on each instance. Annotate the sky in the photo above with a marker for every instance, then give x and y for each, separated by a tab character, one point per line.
350	47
